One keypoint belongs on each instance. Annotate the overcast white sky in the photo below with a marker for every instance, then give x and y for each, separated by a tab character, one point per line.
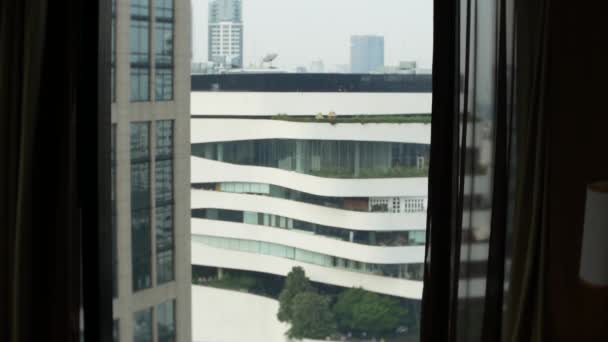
301	31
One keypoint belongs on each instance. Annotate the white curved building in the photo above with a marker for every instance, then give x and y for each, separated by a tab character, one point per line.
274	188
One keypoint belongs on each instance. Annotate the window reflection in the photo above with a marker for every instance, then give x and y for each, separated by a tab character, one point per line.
164	202
115	331
140	205
165	321
324	158
164	50
142	327
140	50
164	244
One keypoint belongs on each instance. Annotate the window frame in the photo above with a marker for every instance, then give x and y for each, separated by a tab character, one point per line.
94	160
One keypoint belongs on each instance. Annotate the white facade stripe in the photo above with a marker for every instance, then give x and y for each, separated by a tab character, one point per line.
211	171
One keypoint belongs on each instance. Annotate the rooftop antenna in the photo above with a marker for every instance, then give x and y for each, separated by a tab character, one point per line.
269	58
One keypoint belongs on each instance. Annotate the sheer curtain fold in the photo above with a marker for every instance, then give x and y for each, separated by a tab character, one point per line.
526	297
470	200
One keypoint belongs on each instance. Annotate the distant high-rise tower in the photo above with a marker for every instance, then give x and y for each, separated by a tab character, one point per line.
317	66
226	33
366	54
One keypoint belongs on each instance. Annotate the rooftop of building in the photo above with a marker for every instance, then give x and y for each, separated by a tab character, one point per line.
313	82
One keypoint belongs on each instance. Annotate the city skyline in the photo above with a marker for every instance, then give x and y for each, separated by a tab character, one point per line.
292	29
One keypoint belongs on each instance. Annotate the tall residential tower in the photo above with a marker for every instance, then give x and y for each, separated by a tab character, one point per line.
226	33
151	170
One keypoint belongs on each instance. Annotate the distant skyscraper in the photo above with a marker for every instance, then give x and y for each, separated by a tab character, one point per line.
317	66
366	54
226	32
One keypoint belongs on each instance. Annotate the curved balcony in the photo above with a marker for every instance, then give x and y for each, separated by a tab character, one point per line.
217	257
310	242
346	219
211	171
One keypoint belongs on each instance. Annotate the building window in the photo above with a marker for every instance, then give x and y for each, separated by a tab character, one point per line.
164	244
140	50
164	202
140	205
165	321
114	213
115	331
164	50
142	327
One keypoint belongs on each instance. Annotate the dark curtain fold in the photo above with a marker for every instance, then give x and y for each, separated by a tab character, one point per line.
526	297
532	131
22	39
443	182
43	87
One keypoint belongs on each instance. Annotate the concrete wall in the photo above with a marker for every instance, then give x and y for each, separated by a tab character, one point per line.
123	113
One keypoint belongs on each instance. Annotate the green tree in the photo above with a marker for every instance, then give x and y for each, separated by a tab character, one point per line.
358	310
311	317
343	309
296	282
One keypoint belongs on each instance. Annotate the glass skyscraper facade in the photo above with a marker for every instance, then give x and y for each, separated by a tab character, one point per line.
366	54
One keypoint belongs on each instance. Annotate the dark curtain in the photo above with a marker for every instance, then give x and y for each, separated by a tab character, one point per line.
529	136
48	104
525	300
39	214
470	171
561	131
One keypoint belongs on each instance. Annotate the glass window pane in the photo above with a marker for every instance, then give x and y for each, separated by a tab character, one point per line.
326	158
140	50
250	217
165	321
164	244
164	50
142	326
140	249
115	331
140	206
